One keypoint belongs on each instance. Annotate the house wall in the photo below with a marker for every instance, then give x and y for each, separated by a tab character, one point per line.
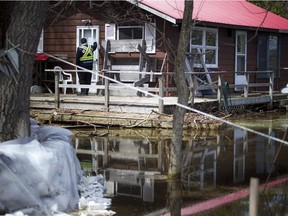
226	56
226	53
60	40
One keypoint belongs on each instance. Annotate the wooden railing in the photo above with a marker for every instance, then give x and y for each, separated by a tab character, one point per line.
161	90
220	86
106	86
248	85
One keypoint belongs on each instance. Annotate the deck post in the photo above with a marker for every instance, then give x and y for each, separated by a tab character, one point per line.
246	87
161	94
219	96
57	91
271	87
106	92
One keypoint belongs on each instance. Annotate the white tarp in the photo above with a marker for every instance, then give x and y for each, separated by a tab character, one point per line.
39	175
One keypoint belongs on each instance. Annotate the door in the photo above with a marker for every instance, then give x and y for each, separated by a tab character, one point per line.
91	33
240	58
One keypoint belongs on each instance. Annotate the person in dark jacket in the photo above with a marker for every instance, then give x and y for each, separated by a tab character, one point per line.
84	58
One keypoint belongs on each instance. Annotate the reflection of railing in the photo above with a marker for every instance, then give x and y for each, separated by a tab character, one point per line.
125	182
124	150
130	183
205	168
200	166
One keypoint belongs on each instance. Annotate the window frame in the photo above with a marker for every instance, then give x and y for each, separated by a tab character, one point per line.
265	39
203	46
130	27
130	45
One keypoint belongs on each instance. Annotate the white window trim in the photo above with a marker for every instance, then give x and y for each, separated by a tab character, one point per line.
95	37
241	54
240	78
203	47
127	27
112	34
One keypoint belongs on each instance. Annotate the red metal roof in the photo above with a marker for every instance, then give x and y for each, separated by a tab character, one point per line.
230	12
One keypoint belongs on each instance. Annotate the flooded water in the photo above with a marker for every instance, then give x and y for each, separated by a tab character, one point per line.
216	168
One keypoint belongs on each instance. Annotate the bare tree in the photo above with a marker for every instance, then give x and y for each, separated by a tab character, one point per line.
183	93
21	23
277	7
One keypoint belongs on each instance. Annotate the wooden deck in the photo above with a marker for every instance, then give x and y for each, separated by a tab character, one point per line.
133	111
123	98
123	104
144	104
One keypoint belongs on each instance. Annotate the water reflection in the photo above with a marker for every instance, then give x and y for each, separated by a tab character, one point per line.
135	162
175	197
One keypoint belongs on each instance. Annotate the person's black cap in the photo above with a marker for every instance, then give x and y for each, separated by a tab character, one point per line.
83	40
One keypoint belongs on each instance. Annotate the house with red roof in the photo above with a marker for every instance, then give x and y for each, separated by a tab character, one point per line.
232	36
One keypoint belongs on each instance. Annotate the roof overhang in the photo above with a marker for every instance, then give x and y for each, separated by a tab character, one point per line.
229	13
153	11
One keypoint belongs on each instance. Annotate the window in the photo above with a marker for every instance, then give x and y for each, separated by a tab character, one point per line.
206	40
240	59
241	42
267	54
127	38
130	32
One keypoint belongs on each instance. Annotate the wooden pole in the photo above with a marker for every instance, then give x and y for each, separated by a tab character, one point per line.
253	201
271	86
219	95
107	93
246	87
57	91
161	94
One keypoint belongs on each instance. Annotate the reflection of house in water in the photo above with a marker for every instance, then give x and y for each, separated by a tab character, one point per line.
239	152
127	153
131	159
250	155
265	154
200	162
131	163
130	183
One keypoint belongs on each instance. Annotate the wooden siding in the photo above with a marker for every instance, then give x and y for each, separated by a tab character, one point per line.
60	38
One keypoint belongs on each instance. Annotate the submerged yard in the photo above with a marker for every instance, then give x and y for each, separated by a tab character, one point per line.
215	163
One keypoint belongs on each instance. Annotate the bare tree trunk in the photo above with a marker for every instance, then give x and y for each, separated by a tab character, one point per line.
23	29
183	93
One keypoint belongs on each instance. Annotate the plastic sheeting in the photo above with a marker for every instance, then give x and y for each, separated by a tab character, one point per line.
39	175
92	201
